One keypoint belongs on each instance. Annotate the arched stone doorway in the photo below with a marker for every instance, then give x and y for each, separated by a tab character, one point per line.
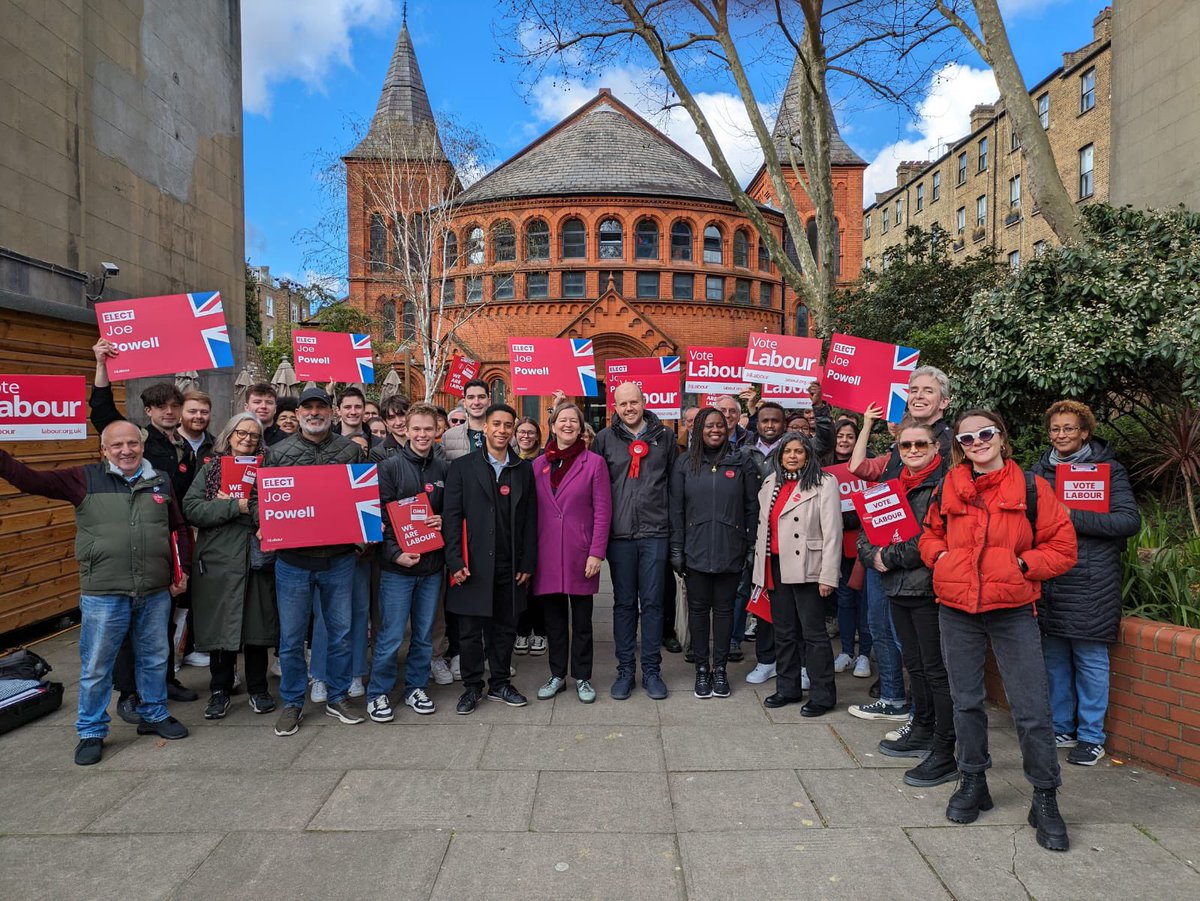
605	347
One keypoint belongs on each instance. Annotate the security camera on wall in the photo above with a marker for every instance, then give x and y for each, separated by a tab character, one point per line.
110	269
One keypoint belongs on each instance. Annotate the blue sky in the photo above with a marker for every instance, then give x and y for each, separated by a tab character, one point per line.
312	68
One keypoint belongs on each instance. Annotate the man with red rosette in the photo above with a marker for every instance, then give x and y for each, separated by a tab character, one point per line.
639	451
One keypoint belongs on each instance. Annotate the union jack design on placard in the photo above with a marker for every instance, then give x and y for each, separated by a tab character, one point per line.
669	364
588	383
366	365
582	347
905	359
363	475
360	342
897	401
206	303
216	342
370	520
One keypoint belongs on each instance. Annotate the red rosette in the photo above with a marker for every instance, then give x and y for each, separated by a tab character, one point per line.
637	450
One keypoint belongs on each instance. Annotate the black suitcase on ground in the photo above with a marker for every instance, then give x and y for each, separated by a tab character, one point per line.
26	666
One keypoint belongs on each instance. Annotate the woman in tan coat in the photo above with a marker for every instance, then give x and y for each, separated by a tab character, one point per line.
798	558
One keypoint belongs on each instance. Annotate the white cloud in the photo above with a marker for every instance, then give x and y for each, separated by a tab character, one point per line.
555	99
302	40
943	117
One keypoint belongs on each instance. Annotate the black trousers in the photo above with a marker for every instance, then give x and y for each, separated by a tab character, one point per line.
532	620
916	622
798	612
710	610
498	631
764	641
668	605
221	668
123	681
569	629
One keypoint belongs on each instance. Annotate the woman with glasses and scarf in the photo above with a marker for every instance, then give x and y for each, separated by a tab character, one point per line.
990	553
798	558
1080	610
233	582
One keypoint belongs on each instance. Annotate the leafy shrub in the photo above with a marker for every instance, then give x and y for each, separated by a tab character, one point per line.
1162	569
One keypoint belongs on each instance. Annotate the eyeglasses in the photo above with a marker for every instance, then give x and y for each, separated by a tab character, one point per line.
1064	429
918	445
456	421
966	439
245	435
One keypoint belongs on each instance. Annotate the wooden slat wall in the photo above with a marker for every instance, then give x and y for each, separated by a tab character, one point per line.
39	578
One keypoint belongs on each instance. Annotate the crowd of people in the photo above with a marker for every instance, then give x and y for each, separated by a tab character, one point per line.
736	502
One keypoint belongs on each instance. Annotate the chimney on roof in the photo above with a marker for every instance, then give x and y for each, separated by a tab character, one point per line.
606	92
1102	25
908	170
981	114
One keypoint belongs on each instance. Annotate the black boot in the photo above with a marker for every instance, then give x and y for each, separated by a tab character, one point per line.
704	688
935	769
720	682
917	743
1044	816
972	796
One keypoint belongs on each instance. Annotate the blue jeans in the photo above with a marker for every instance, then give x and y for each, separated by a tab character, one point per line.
883	639
852	613
299	593
1078	674
403	597
360	616
105	620
637	567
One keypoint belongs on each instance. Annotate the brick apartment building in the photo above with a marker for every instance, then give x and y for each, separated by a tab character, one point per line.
977	189
281	304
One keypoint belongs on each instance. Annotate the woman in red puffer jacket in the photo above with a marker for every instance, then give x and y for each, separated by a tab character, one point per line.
987	574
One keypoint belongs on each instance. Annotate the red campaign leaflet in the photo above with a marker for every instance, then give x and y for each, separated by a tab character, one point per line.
333	357
789	398
784	361
658	377
1085	486
710	400
715	370
886	516
860	372
408	517
307	506
238	475
760	603
544	365
848	484
42	407
163	335
460	371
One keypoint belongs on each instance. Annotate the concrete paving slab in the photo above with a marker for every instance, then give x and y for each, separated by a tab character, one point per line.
602	802
1181	841
591	866
636	710
726	801
810	863
421	746
753	748
369	800
998	863
598	748
226	748
61	802
862	737
98	867
735	711
208	802
53	747
1127	794
319	866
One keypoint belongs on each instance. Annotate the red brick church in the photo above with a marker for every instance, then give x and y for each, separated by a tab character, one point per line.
602	228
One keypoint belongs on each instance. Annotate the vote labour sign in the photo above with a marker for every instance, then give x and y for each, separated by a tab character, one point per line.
333	357
785	361
309	506
1084	486
545	365
408	517
238	475
848	484
885	514
658	377
460	371
715	370
42	407
860	372
789	398
162	335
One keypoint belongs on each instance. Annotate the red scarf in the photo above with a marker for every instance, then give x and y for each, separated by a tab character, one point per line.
567	456
910	480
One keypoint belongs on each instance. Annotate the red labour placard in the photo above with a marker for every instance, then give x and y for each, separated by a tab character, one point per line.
784	361
460	371
760	603
789	398
238	475
542	366
333	357
658	378
715	370
860	372
42	407
164	335
308	506
1084	486
848	484
885	514
408	517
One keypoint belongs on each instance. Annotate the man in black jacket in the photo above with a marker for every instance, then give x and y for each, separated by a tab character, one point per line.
410	583
489	522
262	401
639	451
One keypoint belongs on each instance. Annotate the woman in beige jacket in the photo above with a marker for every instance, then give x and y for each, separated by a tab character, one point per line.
797	558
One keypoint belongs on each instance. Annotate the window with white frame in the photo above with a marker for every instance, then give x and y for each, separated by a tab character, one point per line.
1043	106
1087	90
1087	161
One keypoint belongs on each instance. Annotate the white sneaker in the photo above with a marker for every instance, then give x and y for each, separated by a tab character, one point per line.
237	680
761	673
862	667
276	669
456	668
420	702
901	733
439	671
537	645
318	692
356	688
751	626
841	661
196	658
380	710
804	683
521	645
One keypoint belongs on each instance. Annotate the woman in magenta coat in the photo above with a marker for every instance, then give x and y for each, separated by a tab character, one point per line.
574	510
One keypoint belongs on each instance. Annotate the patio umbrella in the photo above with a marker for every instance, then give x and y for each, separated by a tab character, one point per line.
186	381
391	385
284	381
244	380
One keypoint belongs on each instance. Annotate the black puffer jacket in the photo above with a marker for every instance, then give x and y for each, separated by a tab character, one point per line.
1085	601
906	576
714	512
639	506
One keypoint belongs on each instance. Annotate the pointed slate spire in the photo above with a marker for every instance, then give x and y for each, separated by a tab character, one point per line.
403	120
787	124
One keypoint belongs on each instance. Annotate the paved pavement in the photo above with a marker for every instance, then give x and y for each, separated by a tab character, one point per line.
679	799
